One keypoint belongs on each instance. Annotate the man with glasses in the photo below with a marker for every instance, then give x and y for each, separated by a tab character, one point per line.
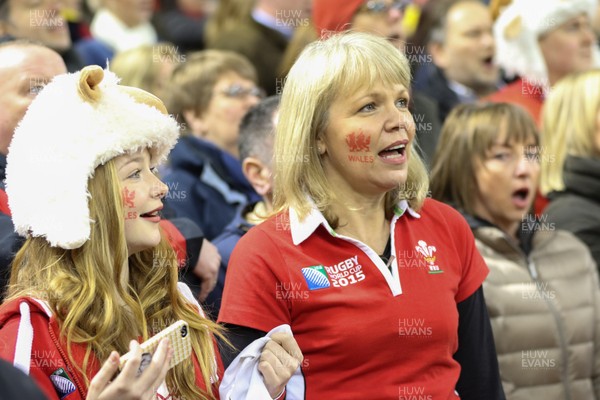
210	94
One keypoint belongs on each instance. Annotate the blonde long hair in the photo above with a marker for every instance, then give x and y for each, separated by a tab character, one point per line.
327	70
569	120
82	287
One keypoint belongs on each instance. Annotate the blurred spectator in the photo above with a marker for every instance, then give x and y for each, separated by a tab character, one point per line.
73	13
148	67
571	157
210	94
262	35
542	292
540	45
461	45
382	18
43	21
182	22
227	15
124	24
25	68
257	133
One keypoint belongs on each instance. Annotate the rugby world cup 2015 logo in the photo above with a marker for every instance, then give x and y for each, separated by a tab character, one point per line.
428	254
62	383
316	277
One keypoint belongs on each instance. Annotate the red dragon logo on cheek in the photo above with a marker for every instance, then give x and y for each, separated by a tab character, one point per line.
128	197
358	143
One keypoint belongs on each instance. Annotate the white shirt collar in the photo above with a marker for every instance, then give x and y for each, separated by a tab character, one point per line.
301	230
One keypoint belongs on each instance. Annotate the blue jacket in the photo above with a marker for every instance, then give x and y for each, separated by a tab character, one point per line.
225	243
206	185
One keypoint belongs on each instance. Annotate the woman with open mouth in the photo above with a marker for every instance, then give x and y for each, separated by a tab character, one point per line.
380	285
542	291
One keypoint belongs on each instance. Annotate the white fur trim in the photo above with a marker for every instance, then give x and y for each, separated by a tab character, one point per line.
521	55
58	145
24	343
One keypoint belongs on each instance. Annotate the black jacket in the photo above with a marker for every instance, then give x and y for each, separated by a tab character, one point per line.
206	185
433	83
577	208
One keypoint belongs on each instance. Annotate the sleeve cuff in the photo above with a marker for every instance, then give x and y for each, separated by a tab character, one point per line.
281	395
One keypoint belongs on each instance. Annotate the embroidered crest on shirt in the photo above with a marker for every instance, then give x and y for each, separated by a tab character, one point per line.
62	383
428	253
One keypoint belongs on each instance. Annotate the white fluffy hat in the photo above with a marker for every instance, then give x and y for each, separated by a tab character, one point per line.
519	26
76	123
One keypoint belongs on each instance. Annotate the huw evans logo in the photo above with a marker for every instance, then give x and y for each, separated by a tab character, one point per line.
316	277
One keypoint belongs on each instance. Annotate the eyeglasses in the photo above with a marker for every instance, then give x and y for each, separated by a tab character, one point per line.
240	92
378	6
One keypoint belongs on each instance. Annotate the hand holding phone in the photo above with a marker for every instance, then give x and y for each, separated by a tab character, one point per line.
179	339
107	384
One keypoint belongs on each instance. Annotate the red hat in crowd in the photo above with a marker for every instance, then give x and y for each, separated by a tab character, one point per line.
334	15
